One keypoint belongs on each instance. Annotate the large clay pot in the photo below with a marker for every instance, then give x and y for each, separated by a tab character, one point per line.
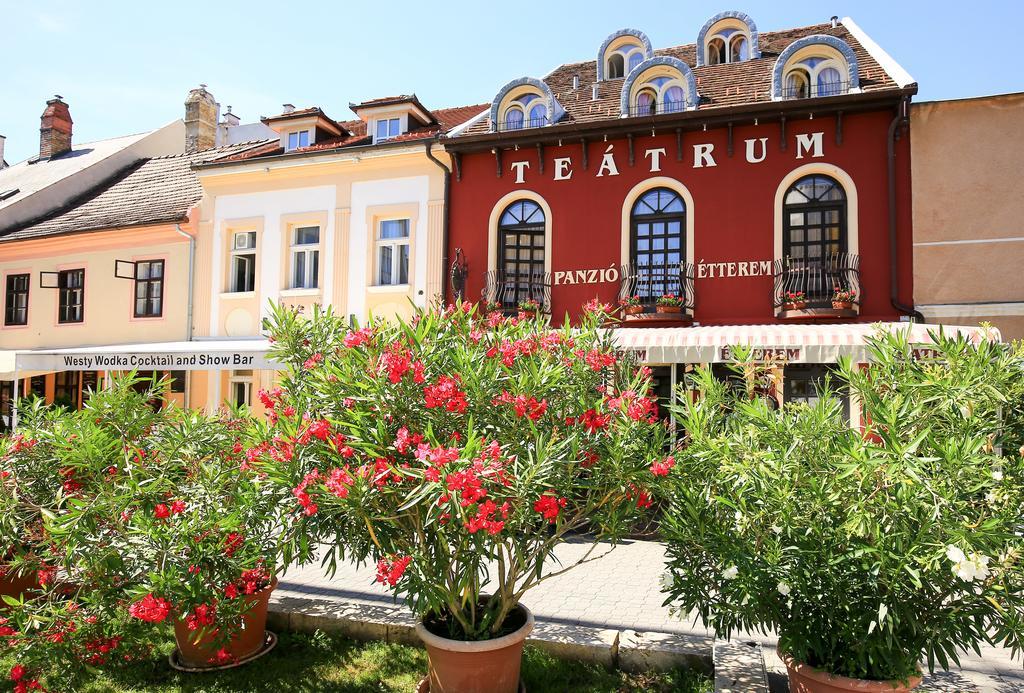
668	309
804	678
632	310
15	584
842	305
198	654
482	666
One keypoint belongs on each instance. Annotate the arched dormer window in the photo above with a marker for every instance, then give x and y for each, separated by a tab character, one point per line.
621	53
813	66
524	103
729	37
658	85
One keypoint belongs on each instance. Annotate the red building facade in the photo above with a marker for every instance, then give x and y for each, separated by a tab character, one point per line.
763	178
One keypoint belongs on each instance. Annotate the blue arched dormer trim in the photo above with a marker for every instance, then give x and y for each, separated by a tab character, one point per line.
816	39
555	110
635	33
755	49
684	72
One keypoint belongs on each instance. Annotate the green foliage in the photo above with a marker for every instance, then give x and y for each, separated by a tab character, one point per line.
454	451
864	550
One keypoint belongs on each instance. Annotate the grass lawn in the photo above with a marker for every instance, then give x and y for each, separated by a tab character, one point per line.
322	663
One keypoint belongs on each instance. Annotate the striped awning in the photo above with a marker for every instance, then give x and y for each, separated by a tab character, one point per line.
789	343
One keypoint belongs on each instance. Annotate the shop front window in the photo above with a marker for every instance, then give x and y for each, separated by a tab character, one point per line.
806	384
521	266
816	261
657	245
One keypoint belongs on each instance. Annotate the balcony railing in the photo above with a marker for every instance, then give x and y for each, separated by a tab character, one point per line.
503	126
656	108
511	288
817	278
813	91
650	282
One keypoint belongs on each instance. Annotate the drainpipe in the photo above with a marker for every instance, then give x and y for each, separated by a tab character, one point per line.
191	297
899	121
444	218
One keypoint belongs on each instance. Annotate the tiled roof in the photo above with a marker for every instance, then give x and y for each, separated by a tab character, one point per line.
158	190
719	86
447	118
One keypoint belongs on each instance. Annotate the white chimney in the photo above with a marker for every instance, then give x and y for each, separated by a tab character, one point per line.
595	95
230	119
2	141
835	21
289	108
575	81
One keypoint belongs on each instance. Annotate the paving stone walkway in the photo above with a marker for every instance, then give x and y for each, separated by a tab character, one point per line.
620	591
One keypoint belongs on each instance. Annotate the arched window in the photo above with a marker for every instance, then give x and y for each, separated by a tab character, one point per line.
675	100
813	66
814	238
738	49
657	245
830	81
716	51
514	119
797	85
635	58
616	66
521	270
538	116
646	102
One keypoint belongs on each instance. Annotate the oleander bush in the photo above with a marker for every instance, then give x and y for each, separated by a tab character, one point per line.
866	549
456	452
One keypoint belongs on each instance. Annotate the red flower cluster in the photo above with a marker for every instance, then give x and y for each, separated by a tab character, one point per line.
466	484
161	512
446	393
437	458
151	609
636	407
404	441
662	468
202	616
484	518
46	574
232	542
594	305
311	363
98	648
358	337
319	429
510	350
252	581
588	459
549	505
270	399
391	572
598	359
339	482
308	506
22	684
643	499
397	361
594	422
523	405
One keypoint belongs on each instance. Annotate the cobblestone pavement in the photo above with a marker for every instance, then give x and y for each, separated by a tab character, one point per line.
621	590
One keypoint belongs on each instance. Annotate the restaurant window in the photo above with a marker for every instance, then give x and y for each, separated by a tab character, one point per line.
16	299
37	386
657	223
90	384
814	237
65	389
805	383
149	289
178	379
243	261
6	405
71	290
240	388
393	252
305	256
521	253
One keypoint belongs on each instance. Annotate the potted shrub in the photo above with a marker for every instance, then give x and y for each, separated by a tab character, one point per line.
164	524
843	299
529	308
438	447
669	303
794	300
631	305
487	307
865	553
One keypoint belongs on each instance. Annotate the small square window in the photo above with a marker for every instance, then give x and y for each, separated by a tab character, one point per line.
298	139
388	128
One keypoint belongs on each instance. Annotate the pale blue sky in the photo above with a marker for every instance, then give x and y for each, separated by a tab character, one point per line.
127	66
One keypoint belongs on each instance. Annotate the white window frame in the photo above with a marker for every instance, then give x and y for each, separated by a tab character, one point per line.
376	128
298	144
396	254
310	260
240	378
236	254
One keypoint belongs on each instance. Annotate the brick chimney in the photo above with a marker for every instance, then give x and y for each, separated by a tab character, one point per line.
55	129
200	120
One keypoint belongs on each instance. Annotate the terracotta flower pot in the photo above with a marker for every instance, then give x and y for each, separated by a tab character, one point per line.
482	666
669	309
198	653
632	310
794	305
14	584
804	678
842	305
527	314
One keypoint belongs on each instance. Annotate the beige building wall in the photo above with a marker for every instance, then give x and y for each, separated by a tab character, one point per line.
968	210
346	195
